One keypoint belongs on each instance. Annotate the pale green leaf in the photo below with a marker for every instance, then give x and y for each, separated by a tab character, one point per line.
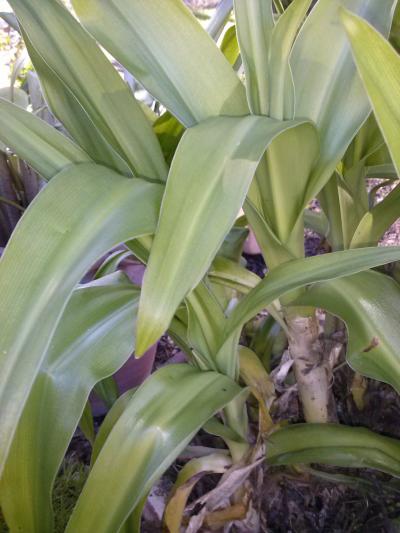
327	86
109	422
59	39
94	338
230	46
230	274
205	190
281	90
154	428
336	445
379	67
44	148
66	108
254	25
165	48
375	222
302	272
83	212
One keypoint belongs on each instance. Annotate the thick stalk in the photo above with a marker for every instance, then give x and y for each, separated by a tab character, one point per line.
311	368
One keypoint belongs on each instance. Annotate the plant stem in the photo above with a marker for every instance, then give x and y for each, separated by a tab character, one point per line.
311	369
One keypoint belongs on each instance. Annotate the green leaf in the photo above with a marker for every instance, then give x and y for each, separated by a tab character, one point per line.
94	338
379	66
232	247
109	422
302	272
112	262
254	25
333	444
86	423
197	213
169	132
368	303
230	274
72	116
59	40
316	221
44	148
206	321
327	86
165	48
230	46
155	427
374	223
83	212
281	91
288	166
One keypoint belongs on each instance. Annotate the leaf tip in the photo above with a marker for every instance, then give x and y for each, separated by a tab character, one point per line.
148	332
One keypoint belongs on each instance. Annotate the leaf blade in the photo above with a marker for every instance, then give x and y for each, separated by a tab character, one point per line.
96	324
166	61
43	147
196	215
155	427
86	200
59	39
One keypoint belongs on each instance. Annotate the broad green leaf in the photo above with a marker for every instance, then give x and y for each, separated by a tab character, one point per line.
254	25
155	427
94	338
44	148
83	212
302	272
286	172
368	303
281	90
379	67
204	192
72	116
327	86
334	444
164	47
59	40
